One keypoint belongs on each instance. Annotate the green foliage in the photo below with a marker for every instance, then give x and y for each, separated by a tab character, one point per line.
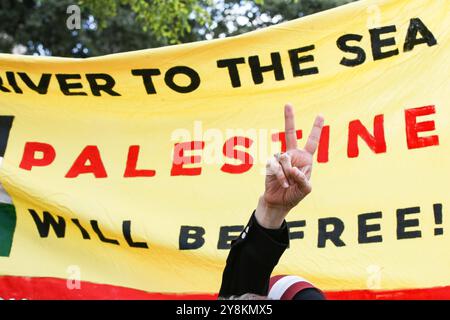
264	13
110	26
168	20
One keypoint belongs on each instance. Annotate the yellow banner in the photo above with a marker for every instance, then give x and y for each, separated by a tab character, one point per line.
137	169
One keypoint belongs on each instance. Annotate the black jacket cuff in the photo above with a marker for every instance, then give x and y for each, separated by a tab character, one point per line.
265	246
252	258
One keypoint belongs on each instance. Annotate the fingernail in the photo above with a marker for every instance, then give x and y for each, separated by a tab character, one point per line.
285	185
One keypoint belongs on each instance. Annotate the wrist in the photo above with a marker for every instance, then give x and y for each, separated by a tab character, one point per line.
269	217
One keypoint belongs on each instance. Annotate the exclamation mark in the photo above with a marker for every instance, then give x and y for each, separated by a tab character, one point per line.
437	208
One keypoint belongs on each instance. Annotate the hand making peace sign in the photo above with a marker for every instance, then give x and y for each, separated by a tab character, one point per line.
288	174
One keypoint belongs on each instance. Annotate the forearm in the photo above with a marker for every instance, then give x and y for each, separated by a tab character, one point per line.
270	217
252	259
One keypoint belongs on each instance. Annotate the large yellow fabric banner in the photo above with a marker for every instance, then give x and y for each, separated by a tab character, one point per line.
137	169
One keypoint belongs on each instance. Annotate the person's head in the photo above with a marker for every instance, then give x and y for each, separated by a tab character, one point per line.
246	296
285	287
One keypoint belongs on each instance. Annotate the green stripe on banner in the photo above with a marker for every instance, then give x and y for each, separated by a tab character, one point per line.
7	227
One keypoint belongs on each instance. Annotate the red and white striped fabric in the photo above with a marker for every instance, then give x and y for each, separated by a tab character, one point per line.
285	287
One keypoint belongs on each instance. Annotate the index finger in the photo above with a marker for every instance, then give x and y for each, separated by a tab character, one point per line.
314	136
289	127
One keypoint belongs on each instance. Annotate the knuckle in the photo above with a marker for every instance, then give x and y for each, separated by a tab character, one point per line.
301	175
308	188
279	174
271	163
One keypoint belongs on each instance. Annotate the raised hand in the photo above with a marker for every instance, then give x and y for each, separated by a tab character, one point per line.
288	175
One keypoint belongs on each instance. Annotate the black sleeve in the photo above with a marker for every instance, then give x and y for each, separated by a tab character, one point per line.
253	256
